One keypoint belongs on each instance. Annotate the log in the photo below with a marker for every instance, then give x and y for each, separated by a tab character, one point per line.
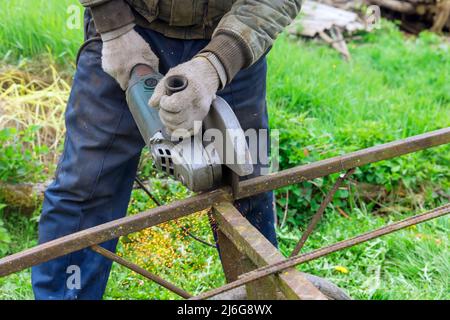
399	6
22	197
441	19
417	15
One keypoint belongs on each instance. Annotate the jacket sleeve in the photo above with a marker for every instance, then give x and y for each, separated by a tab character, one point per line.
109	15
248	30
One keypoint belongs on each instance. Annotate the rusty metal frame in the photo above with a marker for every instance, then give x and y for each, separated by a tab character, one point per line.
254	246
313	255
253	261
319	214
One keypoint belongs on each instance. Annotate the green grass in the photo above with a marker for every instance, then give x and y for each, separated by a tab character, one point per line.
410	264
23	231
323	107
397	87
393	88
38	27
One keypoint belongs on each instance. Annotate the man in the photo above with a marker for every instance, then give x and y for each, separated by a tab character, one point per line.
219	45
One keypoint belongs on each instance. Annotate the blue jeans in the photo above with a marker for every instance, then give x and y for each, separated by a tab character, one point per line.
94	177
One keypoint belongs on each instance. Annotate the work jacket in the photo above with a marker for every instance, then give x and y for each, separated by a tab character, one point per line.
241	31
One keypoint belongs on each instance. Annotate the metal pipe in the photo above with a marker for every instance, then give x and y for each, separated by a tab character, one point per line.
342	163
294	261
111	230
169	286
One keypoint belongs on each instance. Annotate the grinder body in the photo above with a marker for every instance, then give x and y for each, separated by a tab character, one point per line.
197	164
141	87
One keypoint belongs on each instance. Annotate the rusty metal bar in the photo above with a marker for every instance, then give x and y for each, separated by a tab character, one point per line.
179	209
111	230
169	286
342	163
318	215
294	261
261	252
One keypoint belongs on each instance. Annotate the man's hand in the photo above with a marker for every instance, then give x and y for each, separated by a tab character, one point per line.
121	52
182	109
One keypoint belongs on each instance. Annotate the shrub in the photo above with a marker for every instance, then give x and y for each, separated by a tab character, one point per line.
18	162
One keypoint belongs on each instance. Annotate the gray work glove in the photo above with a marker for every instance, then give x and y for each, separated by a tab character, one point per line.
122	50
182	109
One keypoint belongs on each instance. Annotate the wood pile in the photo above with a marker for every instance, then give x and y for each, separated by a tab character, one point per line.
333	20
417	15
414	15
328	23
24	198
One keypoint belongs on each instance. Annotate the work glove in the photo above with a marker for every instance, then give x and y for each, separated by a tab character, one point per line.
180	111
124	50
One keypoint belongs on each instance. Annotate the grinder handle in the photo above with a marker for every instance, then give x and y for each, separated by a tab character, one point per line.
143	82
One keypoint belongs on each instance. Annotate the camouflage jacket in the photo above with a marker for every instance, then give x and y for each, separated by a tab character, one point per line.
241	31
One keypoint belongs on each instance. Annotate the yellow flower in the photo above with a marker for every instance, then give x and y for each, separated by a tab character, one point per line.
341	269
